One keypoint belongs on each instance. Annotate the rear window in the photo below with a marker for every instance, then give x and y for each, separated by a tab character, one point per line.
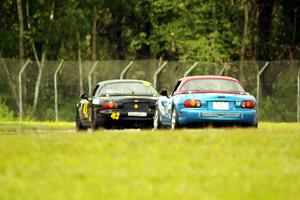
212	85
128	88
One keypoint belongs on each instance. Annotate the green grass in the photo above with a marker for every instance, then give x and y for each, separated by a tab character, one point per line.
21	127
225	163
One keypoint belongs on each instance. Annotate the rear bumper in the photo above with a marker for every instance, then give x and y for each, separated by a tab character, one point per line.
119	117
247	117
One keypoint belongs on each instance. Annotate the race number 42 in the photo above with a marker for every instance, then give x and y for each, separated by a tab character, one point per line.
115	115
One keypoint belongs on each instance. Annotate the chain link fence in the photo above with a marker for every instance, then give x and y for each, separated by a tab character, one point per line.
278	99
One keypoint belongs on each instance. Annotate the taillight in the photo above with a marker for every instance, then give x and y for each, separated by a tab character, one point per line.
109	105
248	104
192	103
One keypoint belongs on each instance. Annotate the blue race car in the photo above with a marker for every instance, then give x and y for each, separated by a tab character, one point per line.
204	100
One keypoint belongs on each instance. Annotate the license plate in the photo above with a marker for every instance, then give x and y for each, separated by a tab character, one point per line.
137	114
220	105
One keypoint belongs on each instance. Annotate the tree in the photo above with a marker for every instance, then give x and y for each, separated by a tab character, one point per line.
246	6
265	28
21	30
125	29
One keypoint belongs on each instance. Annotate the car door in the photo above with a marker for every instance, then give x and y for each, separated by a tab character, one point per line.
161	106
168	104
92	100
87	107
168	109
83	110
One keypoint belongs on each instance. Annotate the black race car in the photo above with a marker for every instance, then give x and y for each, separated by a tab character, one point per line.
117	103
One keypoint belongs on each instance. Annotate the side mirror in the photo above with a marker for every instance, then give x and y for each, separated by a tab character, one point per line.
84	96
164	93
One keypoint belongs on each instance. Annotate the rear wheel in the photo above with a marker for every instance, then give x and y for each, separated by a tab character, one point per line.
174	119
156	120
255	125
95	121
250	125
79	126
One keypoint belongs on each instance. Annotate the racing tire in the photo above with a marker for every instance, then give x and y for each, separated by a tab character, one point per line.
174	120
250	125
255	125
95	121
79	126
156	121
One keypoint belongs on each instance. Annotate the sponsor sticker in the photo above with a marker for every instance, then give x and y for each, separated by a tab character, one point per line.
96	101
85	110
145	83
137	114
220	105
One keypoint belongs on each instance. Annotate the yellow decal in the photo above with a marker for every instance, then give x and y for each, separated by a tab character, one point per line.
115	115
136	106
145	83
85	110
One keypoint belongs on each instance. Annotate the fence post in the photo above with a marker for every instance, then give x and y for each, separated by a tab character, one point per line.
224	67
258	84
190	69
298	96
20	89
157	72
90	77
125	70
55	89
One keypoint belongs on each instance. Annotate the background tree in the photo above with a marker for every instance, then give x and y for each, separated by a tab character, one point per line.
126	29
21	29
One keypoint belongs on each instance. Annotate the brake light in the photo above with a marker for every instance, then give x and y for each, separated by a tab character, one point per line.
192	103
109	105
248	104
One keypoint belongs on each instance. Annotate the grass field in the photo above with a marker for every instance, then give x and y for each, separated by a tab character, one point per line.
52	161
